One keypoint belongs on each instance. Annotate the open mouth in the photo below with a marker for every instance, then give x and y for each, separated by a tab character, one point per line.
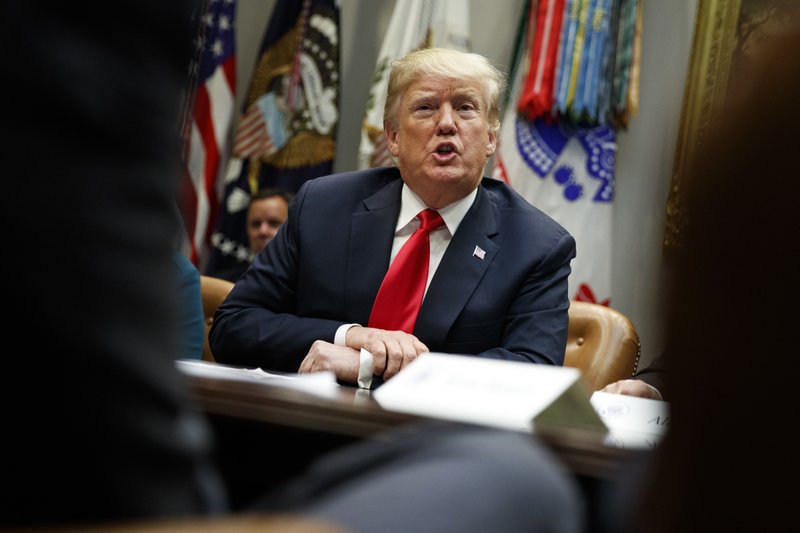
445	149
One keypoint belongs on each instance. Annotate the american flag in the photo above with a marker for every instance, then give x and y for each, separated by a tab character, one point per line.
208	117
286	134
252	139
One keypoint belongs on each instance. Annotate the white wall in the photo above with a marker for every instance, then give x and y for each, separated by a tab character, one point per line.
645	151
644	167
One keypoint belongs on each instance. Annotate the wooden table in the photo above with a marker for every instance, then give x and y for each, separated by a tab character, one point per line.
352	413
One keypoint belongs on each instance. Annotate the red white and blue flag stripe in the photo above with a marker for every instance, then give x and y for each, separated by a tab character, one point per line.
206	135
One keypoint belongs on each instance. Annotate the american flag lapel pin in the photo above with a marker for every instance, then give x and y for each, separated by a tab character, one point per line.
479	252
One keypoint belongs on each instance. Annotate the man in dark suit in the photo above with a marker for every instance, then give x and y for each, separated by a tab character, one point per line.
497	284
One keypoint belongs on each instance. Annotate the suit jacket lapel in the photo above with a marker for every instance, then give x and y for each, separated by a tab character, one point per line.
369	249
459	272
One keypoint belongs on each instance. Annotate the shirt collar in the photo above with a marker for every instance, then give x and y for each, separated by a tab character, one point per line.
453	214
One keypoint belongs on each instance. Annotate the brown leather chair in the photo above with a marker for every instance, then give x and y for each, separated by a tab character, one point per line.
214	291
602	343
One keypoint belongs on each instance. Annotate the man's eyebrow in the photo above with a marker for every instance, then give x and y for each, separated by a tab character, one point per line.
422	94
467	92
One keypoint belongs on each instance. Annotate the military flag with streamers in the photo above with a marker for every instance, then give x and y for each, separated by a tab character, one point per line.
583	64
558	137
208	116
414	24
286	134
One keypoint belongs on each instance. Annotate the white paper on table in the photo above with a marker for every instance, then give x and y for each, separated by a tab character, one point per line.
505	394
319	383
633	422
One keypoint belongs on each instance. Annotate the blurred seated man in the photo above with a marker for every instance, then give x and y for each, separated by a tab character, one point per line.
267	210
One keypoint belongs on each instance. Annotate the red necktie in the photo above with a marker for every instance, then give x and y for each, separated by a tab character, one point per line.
397	305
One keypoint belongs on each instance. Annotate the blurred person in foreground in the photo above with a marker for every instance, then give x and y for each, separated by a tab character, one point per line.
105	431
725	462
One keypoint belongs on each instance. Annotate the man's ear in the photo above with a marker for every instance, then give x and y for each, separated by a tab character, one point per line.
491	146
391	138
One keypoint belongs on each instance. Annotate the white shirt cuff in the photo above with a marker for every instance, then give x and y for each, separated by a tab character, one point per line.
341	334
365	359
365	366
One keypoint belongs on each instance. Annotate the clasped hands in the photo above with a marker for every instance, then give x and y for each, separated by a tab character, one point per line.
391	352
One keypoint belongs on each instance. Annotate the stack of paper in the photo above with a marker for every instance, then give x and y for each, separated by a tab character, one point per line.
318	383
505	394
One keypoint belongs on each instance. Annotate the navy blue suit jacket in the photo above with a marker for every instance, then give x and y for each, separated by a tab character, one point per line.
324	268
